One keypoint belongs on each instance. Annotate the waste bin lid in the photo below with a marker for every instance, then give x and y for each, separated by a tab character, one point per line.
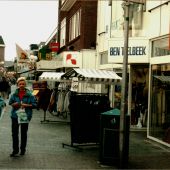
112	112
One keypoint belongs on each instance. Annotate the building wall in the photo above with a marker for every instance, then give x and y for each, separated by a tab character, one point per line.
88	26
103	26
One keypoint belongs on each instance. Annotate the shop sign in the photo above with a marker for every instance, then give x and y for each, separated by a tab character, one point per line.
71	59
54	46
138	50
160	47
117	51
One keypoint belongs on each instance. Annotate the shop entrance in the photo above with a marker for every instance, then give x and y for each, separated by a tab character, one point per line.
140	84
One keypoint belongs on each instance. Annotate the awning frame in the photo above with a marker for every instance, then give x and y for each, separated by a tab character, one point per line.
96	79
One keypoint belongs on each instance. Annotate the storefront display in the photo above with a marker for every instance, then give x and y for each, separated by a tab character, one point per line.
160	98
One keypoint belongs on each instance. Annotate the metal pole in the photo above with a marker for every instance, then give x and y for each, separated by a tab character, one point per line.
123	139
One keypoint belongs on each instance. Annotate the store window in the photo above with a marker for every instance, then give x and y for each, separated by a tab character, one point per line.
135	18
74	25
160	47
159	121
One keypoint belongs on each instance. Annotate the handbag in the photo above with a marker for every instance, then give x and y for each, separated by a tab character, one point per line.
22	116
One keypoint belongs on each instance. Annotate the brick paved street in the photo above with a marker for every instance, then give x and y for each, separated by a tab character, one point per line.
45	149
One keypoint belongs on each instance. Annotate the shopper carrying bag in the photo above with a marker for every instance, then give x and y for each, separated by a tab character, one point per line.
22	102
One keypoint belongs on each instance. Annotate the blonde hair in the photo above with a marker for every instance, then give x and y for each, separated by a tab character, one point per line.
21	79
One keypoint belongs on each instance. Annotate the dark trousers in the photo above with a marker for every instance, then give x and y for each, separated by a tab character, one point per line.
15	135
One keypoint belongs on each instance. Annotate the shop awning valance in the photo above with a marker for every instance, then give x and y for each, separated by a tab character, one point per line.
163	78
51	76
92	75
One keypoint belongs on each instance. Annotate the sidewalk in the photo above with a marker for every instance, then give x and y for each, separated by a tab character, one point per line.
45	151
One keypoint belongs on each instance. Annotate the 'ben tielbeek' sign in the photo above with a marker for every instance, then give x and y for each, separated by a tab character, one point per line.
118	51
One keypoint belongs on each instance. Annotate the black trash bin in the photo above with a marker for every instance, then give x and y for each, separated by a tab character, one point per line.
109	137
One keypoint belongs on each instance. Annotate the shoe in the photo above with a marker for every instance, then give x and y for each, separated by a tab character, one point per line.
22	153
13	154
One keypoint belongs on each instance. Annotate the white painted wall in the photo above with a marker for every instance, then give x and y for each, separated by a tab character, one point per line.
155	24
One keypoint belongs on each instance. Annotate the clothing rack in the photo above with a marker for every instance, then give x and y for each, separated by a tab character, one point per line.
59	114
85	118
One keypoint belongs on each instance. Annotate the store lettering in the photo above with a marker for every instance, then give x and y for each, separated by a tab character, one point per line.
116	51
161	52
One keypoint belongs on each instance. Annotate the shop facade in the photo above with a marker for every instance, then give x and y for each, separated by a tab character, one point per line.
110	38
148	60
159	112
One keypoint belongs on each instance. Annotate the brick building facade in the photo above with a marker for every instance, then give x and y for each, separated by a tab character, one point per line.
88	24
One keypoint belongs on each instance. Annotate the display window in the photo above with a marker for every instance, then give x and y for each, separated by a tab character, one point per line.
159	117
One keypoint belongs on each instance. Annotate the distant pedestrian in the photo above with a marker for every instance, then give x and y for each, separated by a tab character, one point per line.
21	99
5	88
2	106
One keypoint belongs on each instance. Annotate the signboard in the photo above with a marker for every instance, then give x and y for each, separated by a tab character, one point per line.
54	46
138	50
71	59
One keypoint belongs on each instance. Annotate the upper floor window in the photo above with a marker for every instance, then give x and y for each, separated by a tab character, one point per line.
74	25
135	18
63	33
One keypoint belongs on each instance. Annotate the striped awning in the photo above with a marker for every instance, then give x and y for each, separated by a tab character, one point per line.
92	75
163	78
51	76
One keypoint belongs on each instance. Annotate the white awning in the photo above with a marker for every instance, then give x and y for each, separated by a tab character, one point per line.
51	76
92	75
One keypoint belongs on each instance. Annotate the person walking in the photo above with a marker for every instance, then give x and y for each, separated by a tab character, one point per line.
5	88
21	99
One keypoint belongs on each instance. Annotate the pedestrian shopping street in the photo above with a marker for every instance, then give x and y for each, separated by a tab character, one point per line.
45	151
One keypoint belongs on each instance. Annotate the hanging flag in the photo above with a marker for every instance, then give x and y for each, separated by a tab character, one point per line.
21	54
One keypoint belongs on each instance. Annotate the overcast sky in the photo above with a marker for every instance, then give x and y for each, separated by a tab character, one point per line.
26	22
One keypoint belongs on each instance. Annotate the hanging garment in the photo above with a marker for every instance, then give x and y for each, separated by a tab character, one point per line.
44	99
51	106
60	102
67	102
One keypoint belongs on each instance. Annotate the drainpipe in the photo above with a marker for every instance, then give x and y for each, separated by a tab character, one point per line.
110	4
